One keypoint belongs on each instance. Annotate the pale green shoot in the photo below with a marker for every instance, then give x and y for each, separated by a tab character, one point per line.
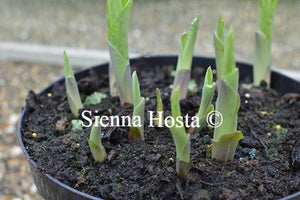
226	136
208	91
136	131
72	88
159	108
263	42
118	14
184	63
95	144
181	138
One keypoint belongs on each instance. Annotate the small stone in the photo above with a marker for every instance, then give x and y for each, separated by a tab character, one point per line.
153	157
246	101
2	170
10	129
13	165
33	189
261	189
150	169
15	151
13	118
109	111
77	145
170	169
272	170
111	155
61	124
49	94
34	135
247	95
157	157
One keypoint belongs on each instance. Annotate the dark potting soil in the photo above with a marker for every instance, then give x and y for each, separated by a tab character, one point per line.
266	164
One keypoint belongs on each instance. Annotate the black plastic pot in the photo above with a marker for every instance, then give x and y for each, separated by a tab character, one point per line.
52	189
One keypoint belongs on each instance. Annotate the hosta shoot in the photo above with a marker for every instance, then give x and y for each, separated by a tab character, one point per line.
159	108
208	91
72	88
263	42
184	63
181	138
95	144
226	136
118	14
136	131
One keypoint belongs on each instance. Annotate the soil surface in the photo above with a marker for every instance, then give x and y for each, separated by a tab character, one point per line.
266	164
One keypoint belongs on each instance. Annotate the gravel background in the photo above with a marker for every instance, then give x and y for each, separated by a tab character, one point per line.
155	29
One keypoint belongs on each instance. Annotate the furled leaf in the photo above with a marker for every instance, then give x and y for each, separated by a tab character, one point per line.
95	144
184	63
219	47
224	148
181	139
208	91
118	14
159	107
72	88
226	136
138	110
263	42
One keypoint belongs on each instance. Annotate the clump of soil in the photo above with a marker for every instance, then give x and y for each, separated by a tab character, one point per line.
265	165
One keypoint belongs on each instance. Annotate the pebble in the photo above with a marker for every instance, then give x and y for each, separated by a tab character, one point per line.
153	157
15	151
33	188
2	170
272	170
13	165
170	169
